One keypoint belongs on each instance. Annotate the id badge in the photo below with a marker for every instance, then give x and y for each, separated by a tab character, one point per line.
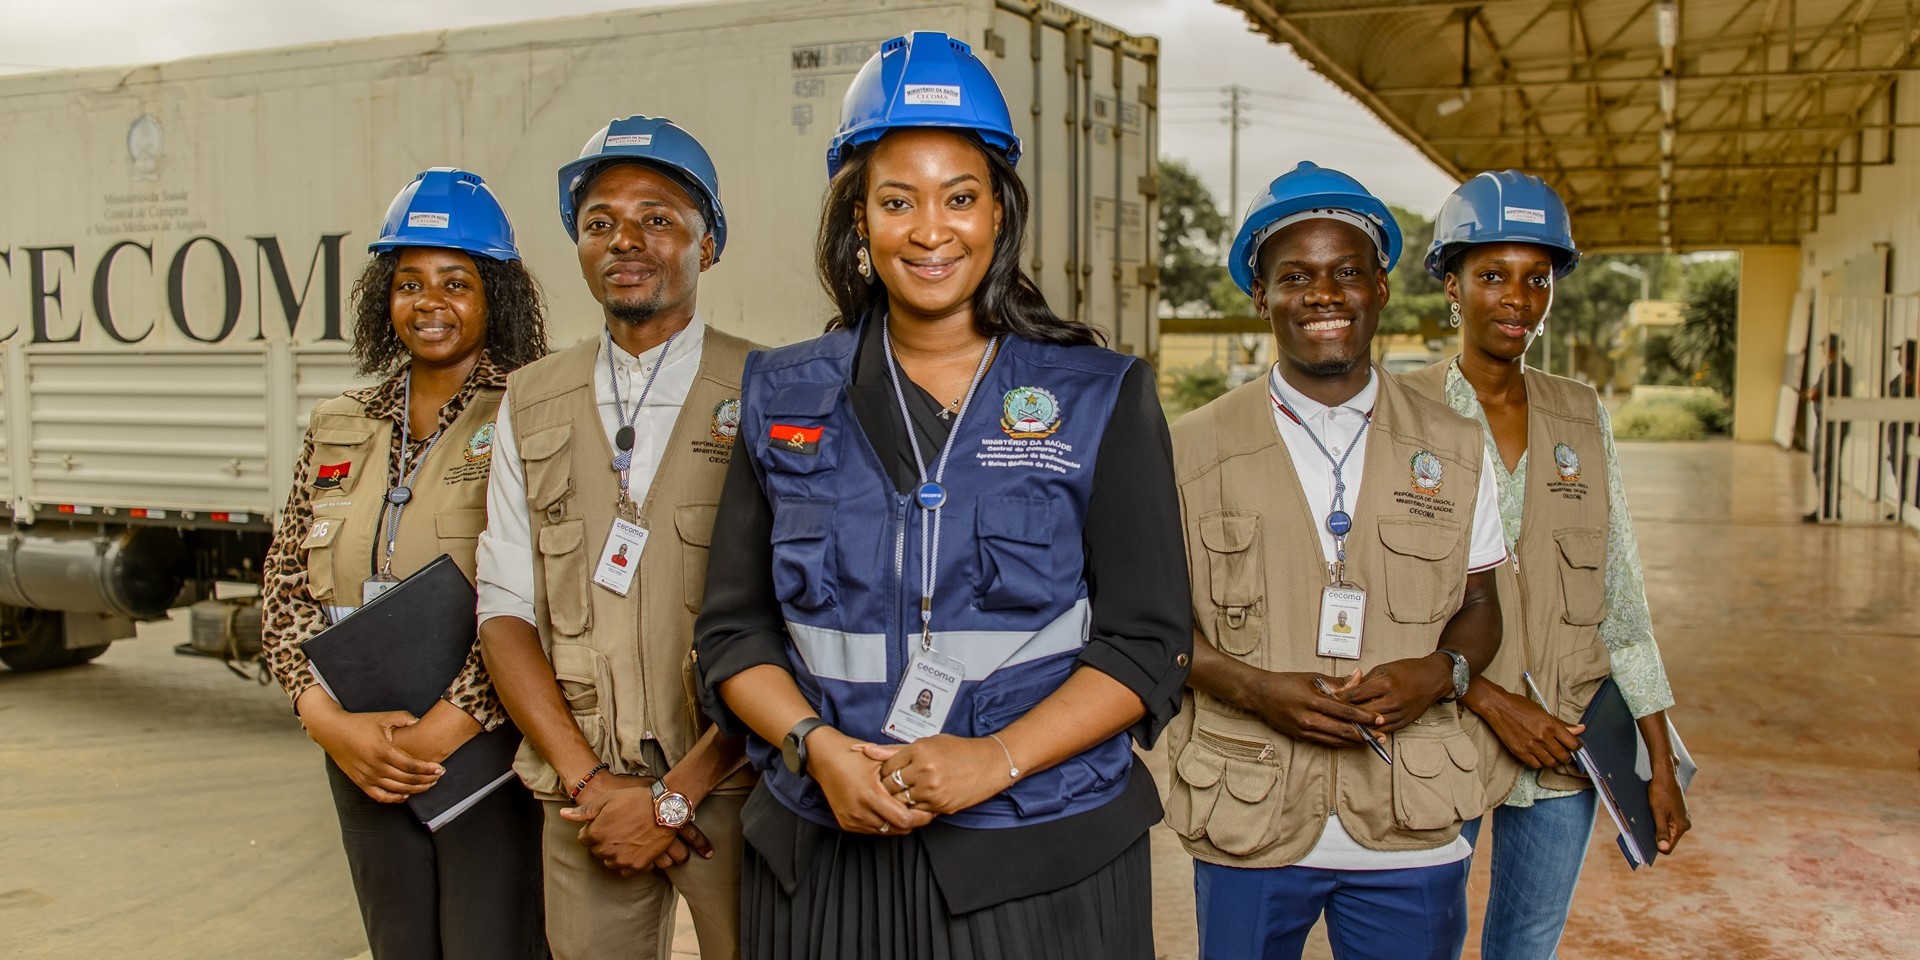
926	695
620	558
376	585
1343	614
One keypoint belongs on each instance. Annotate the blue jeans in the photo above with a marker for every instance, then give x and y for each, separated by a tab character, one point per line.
1537	854
1265	913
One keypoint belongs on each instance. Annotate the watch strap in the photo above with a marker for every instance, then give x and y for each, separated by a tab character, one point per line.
796	740
1459	669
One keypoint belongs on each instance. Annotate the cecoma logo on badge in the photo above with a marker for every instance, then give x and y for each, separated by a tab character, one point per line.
939	674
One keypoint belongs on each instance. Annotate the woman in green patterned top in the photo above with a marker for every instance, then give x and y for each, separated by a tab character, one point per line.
1573	599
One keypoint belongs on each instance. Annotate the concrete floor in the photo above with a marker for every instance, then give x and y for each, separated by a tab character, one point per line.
153	806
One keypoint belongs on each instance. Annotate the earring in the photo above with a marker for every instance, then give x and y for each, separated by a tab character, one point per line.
1453	316
863	261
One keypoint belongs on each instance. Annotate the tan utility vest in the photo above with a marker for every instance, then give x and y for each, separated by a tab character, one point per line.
1242	793
1552	614
347	542
623	663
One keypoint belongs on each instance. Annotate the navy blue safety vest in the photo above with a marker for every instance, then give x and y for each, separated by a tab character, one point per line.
1011	597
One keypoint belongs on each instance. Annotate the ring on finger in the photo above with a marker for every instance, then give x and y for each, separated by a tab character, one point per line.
886	828
906	796
902	784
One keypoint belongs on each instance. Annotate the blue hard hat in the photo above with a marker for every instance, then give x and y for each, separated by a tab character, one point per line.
451	208
1504	207
1308	187
927	79
655	142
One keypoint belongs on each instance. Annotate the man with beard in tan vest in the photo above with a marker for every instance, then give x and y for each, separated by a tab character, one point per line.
1321	770
600	510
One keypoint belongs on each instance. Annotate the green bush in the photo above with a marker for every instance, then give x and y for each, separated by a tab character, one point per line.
1195	387
1711	409
1657	420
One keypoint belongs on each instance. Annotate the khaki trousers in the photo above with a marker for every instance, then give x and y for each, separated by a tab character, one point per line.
596	914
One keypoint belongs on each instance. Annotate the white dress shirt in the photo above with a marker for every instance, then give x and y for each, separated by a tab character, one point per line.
1336	427
504	561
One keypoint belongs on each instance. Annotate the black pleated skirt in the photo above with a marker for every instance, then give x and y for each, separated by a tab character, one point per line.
858	897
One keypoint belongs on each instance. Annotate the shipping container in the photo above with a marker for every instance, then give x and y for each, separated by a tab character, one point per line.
178	241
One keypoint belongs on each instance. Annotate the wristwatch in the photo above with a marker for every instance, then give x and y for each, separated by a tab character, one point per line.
793	749
1460	674
670	807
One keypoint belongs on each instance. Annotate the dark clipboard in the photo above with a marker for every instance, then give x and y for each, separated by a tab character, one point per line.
400	652
1608	753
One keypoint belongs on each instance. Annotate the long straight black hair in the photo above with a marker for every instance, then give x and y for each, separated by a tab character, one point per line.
1007	300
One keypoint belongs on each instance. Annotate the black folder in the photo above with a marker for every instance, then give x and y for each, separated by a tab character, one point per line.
1608	750
400	652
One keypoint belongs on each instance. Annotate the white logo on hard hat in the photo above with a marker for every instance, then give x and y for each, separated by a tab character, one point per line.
631	140
438	220
1526	215
937	94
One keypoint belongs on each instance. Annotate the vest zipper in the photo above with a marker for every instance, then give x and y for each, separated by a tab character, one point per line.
898	665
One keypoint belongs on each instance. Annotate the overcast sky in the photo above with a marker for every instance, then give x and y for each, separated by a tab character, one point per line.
1295	114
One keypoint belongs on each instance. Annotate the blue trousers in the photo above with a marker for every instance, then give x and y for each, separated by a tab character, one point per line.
1537	853
1266	913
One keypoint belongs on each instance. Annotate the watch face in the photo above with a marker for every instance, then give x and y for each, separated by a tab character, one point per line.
791	755
673	810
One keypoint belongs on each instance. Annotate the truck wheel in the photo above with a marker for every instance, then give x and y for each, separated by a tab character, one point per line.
86	654
40	643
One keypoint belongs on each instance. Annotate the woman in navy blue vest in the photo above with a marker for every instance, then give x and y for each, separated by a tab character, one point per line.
947	590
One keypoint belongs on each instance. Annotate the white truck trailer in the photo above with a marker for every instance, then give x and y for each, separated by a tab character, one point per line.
177	242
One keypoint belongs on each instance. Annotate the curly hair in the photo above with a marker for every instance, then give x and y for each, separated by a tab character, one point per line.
516	315
1007	300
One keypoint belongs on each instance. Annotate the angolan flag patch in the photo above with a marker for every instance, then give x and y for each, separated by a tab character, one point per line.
330	475
802	440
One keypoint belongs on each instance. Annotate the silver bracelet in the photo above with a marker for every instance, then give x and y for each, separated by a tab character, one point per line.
1013	772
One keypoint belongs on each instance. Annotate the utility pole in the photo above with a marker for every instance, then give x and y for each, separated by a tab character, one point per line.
1235	94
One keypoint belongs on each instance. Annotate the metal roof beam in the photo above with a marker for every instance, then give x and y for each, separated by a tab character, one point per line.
1378	9
1733	165
1862	73
1796	129
1268	21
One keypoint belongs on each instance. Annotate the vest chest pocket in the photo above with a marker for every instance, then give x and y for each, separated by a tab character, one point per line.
1434	784
804	568
563	556
1014	536
694	523
1583	574
549	470
340	457
1422	586
1236	580
458	531
319	547
1228	788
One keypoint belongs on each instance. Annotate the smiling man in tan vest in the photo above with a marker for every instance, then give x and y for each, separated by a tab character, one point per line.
1341	537
610	460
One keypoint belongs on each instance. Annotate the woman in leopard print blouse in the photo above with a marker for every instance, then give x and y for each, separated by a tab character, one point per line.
443	311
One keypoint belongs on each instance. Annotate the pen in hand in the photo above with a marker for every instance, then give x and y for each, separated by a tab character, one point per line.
1321	685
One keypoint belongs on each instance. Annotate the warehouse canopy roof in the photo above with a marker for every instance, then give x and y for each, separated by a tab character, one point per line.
1683	124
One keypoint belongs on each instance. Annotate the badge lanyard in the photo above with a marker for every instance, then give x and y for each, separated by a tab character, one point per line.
930	494
1339	522
402	490
624	436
